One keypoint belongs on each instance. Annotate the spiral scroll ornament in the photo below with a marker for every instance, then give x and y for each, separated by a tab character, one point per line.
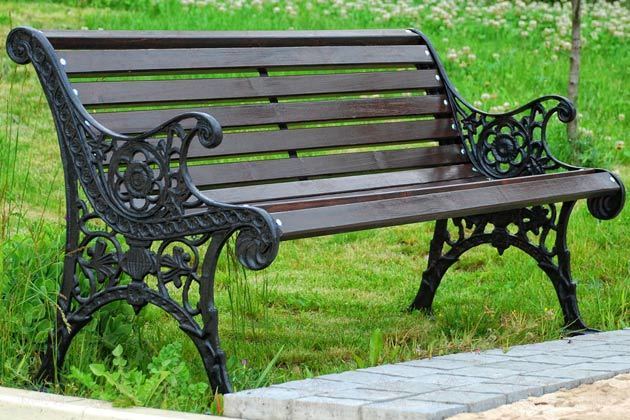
253	250
609	206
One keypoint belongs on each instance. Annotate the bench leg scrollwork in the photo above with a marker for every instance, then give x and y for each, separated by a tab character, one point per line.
529	229
102	267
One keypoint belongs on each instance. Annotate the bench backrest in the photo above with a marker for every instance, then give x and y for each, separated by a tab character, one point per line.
293	105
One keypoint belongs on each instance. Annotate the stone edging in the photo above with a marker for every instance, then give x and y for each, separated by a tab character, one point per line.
19	404
442	386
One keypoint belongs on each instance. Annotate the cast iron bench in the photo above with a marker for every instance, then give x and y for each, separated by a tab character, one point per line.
277	136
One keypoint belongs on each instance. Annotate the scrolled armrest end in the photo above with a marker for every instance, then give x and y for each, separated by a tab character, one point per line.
209	131
19	45
257	248
257	242
608	206
566	110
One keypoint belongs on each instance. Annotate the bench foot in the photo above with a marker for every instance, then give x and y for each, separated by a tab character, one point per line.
528	229
575	333
437	267
53	358
93	278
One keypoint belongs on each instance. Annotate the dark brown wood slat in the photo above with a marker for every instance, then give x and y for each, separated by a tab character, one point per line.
101	62
287	112
276	169
362	196
322	200
253	194
226	39
195	90
360	185
326	137
456	201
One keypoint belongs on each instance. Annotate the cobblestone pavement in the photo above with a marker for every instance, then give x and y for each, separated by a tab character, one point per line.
442	386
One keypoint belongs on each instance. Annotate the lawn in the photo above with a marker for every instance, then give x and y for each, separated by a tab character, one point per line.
332	303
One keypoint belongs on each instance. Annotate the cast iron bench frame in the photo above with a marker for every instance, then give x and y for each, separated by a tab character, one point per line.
180	213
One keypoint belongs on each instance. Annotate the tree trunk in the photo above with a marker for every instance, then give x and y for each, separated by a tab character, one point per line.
574	66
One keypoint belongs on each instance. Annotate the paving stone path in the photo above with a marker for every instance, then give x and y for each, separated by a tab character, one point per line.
442	386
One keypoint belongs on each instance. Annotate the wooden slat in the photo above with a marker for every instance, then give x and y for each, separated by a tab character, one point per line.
225	39
276	169
97	62
345	136
287	112
359	184
195	90
362	196
253	194
456	181
447	202
259	142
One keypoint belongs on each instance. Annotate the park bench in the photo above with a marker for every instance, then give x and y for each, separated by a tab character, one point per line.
173	141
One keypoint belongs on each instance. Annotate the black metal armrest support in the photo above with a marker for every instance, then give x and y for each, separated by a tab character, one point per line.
142	194
514	143
140	187
508	144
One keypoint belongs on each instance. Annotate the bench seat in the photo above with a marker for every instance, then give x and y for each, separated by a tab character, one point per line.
346	211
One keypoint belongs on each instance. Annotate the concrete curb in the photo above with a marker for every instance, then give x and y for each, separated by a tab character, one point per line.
442	386
19	404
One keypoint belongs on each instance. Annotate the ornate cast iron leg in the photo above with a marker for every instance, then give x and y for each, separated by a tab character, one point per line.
530	229
560	275
181	270
60	339
208	341
436	267
92	278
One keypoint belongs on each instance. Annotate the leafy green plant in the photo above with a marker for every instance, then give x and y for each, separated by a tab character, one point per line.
376	346
28	294
165	384
114	324
245	376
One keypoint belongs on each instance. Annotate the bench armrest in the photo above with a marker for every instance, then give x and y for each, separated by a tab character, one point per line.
140	185
513	143
508	144
258	238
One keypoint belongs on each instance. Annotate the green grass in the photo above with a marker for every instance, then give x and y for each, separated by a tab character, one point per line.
326	303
